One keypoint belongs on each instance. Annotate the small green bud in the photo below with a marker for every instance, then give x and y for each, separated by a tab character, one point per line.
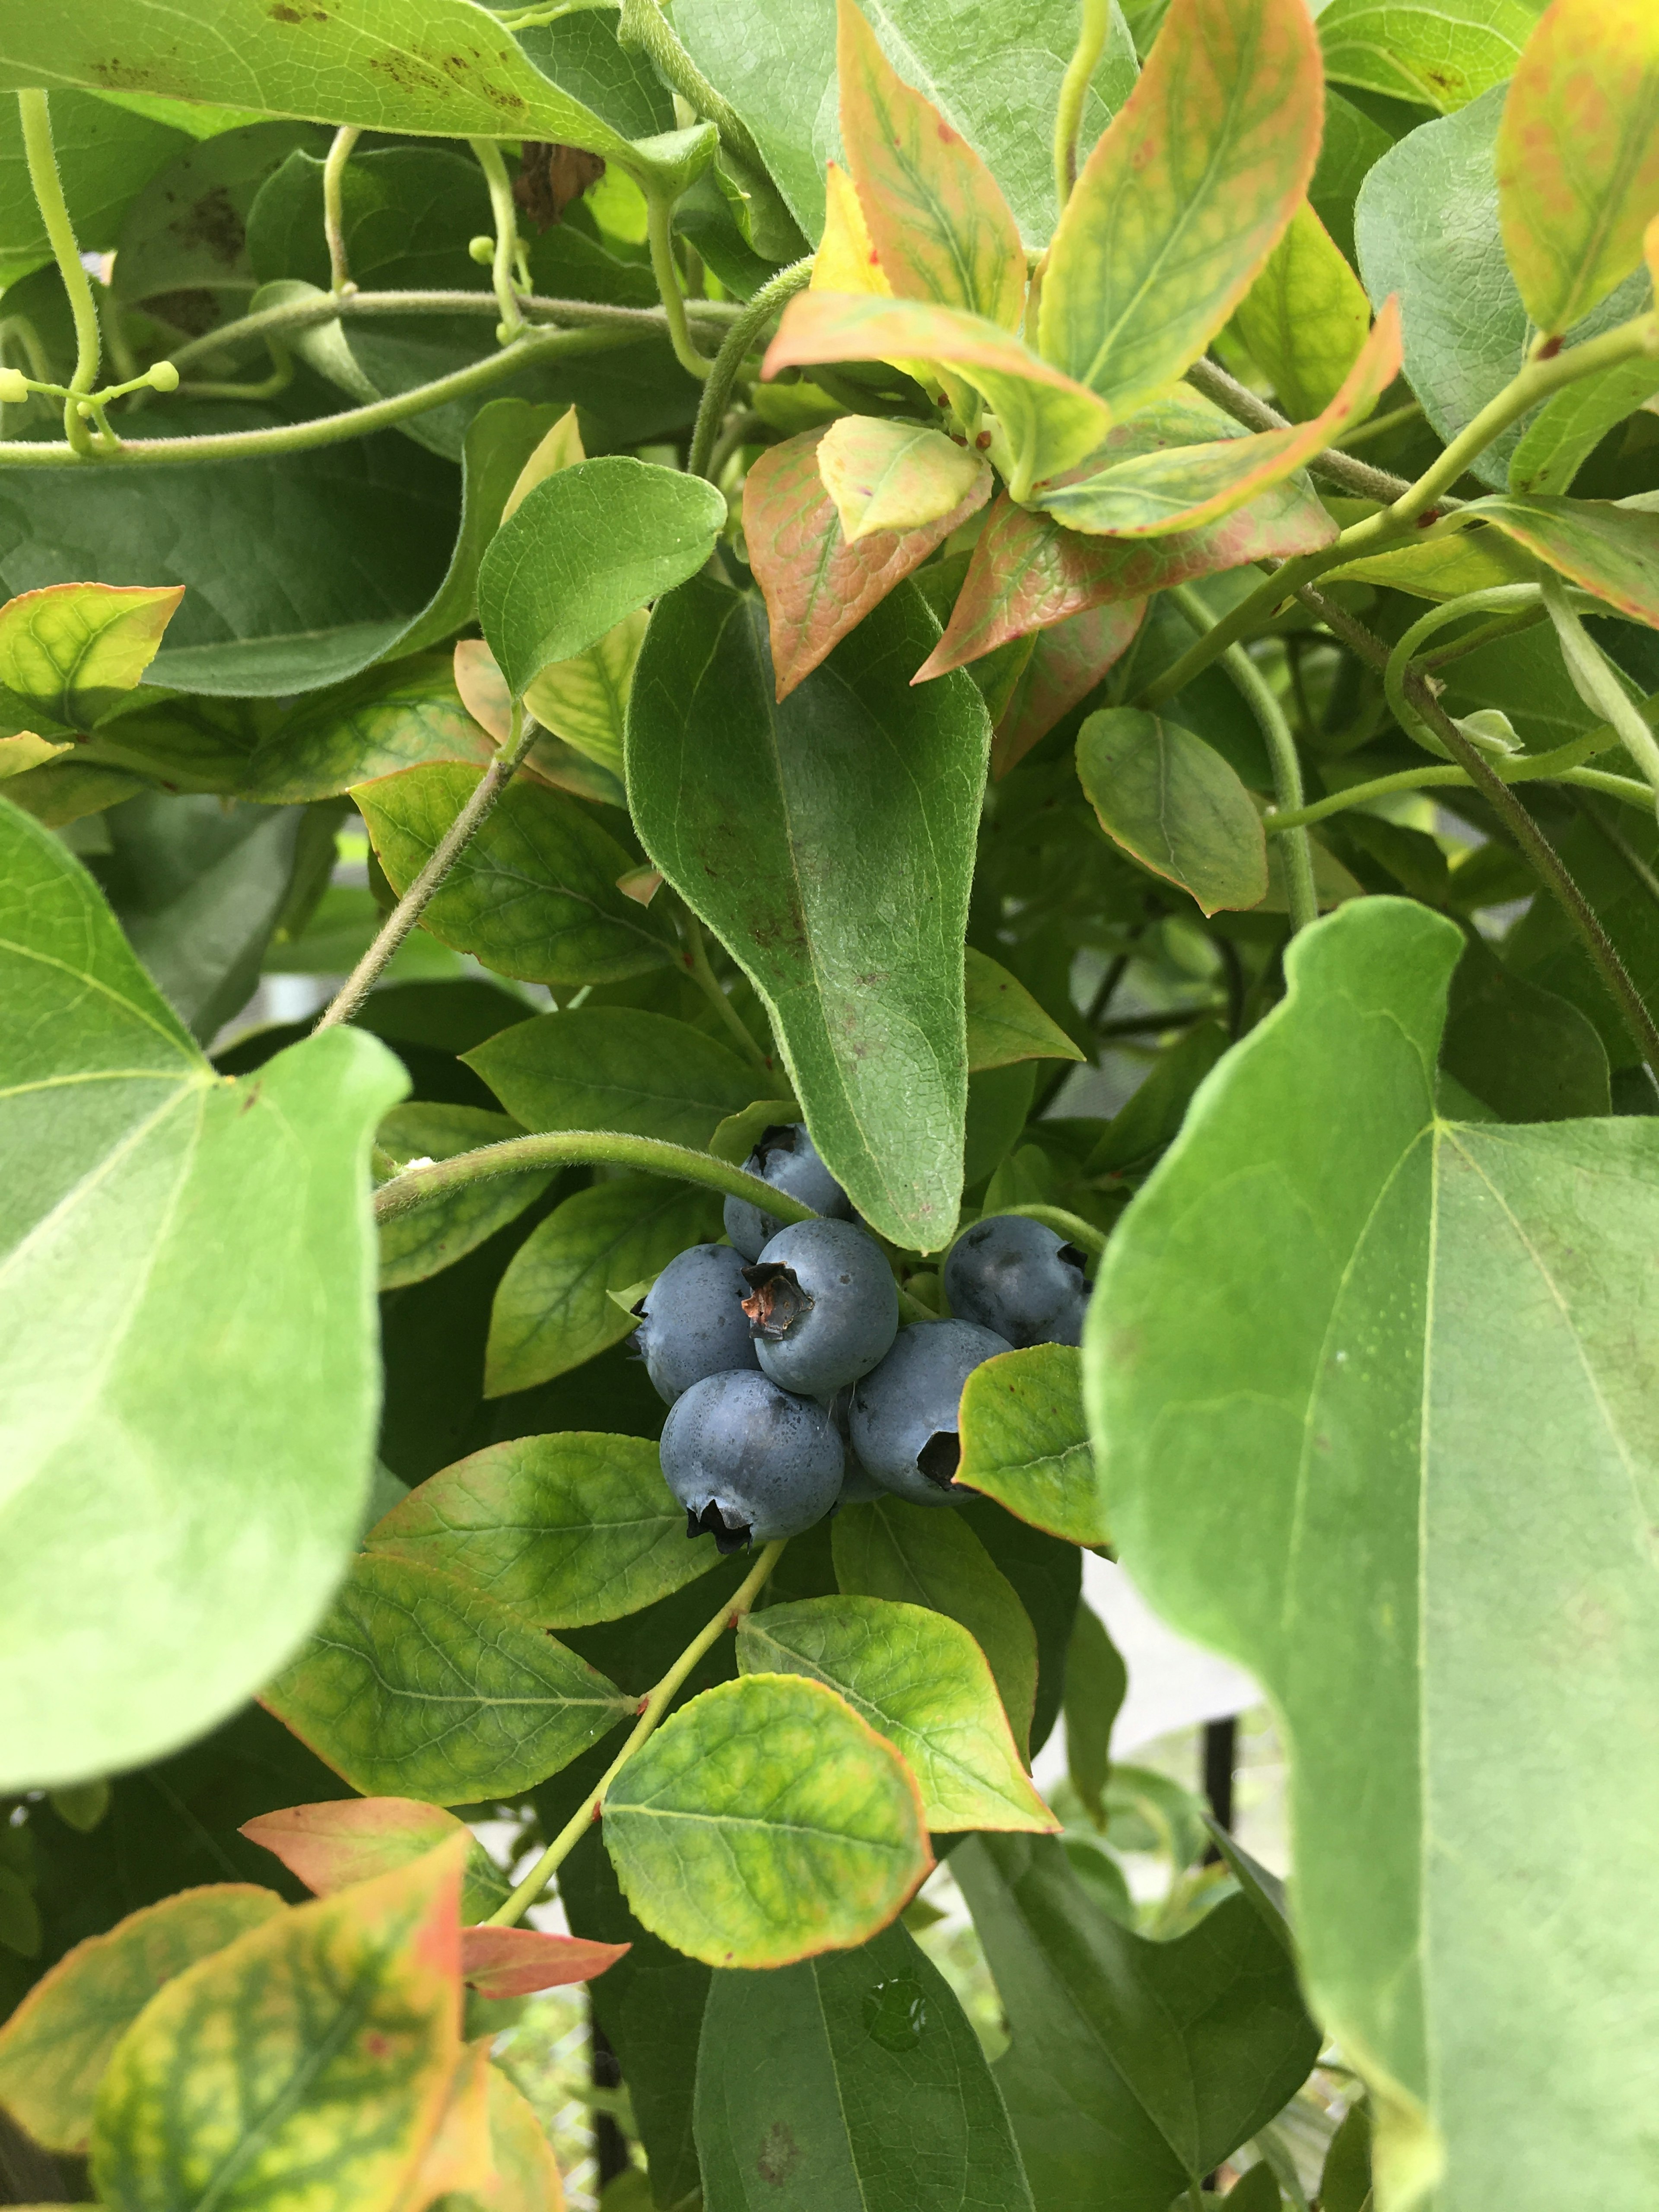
161	376
12	387
483	250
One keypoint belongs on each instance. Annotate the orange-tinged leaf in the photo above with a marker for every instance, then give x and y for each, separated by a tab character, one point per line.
54	2048
484	687
846	260
1611	548
346	1839
526	2176
941	226
817	586
1184	195
1184	487
1051	423
516	1962
1304	319
309	2061
1066	664
883	474
75	650
458	2155
1578	154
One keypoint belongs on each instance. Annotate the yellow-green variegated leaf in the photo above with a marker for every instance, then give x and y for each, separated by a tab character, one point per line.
888	476
74	651
1025	1441
1304	319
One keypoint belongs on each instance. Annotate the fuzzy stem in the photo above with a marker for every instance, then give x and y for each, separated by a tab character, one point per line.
651	1711
1073	91
584	1148
660	218
339	153
35	116
698	968
502	273
645	29
734	348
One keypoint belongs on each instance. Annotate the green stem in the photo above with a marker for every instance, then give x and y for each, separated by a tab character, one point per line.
659	231
281	376
1299	887
1073	91
522	735
334	168
734	348
1378	426
584	1148
709	983
36	119
644	29
506	216
652	1711
1542	768
1502	598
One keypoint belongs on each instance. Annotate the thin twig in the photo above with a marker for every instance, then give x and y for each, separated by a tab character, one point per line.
35	118
1238	401
734	347
334	168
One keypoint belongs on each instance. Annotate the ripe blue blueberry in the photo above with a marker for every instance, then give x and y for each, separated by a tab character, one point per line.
1013	1275
749	1462
858	1486
904	1422
823	1305
691	1319
787	1158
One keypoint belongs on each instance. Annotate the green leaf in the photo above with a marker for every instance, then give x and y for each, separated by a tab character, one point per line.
534	895
73	651
1544	948
1612	550
917	1555
764	1822
166	1572
1567	428
1439	1399
1153	1112
438	68
1025	1442
105	159
1304	319
1005	1022
565	1530
1096	1680
54	2047
994	73
786	828
447	1226
1436	53
583	700
1185	195
1171	800
1426	226
417	1685
1136	2066
817	586
920	1682
941	228
585	548
1346	2180
246	2074
612	1067
1352	144
345	1840
885	476
1525	1053
851	2082
554	1307
1578	156
404	714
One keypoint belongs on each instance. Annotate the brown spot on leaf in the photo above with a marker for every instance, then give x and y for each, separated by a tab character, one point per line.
779	2156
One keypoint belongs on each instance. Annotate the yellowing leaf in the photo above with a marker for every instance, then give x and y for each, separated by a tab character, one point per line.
1304	319
25	751
561	446
1050	420
1025	1441
1186	487
816	585
314	2056
887	476
1611	548
846	260
1578	154
457	2157
1184	195
54	2048
584	701
526	2176
1171	800
941	226
75	650
351	1839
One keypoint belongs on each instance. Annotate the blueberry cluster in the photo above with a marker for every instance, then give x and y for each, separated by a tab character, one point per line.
791	1386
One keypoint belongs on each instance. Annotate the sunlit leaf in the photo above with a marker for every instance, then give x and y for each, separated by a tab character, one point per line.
1005	1022
1304	319
73	651
846	260
526	2175
583	700
765	1822
1025	1442
1438	53
343	1840
516	1962
886	475
1172	801
1184	197
1578	156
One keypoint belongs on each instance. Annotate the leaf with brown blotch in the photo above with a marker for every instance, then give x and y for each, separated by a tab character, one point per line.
817	586
1066	662
516	1962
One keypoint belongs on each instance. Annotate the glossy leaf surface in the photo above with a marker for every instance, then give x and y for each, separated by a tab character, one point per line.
585	548
73	651
178	1511
1578	156
1441	1405
920	1682
534	895
253	2066
918	1555
765	1822
554	1307
1435	53
851	2082
417	1685
886	476
1005	1022
1025	1442
613	1068
830	843
1184	198
1175	803
343	1840
1136	2066
565	1530
54	2047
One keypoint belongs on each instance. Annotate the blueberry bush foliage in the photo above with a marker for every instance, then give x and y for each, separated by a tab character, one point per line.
957	704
